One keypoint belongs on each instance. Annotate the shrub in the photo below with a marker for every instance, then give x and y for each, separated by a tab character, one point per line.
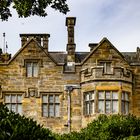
16	127
114	127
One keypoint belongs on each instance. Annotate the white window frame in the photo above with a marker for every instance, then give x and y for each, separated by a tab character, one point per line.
50	105
103	100
10	104
105	67
125	102
30	71
89	103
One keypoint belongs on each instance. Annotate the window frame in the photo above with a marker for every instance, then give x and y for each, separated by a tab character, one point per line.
48	104
34	73
105	69
16	103
124	102
109	100
32	60
90	102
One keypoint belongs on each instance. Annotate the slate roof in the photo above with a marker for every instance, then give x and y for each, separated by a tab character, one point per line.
60	57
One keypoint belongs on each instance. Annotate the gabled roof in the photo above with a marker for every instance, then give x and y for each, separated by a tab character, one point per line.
25	45
60	58
99	44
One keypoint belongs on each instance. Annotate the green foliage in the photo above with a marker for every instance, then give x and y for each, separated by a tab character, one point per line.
70	136
16	127
26	8
115	127
132	138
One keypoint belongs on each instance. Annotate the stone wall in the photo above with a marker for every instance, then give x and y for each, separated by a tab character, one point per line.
52	79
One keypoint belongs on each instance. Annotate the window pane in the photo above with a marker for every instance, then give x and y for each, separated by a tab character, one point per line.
115	107
51	110
19	98
7	98
45	110
123	96
126	107
13	107
19	108
87	108
101	95
107	95
114	95
50	98
56	99
93	95
92	110
87	97
13	97
35	69
101	107
123	108
126	97
57	110
108	103
108	67
45	99
29	69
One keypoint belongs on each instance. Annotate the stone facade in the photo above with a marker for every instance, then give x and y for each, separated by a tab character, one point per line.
39	77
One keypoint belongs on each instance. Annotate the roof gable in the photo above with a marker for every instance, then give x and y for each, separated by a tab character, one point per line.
107	47
26	45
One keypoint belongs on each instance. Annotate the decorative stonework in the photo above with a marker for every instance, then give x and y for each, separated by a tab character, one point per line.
32	92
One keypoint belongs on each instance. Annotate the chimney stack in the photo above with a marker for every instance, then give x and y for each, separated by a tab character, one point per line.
42	39
70	23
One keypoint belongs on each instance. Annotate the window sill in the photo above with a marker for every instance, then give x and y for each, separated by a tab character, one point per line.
111	73
32	77
92	115
51	117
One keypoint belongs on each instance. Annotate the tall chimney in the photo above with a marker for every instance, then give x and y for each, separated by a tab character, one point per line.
70	23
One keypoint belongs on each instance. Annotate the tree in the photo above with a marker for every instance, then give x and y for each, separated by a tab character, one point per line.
26	8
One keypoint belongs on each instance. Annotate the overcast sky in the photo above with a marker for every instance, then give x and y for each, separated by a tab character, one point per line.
118	20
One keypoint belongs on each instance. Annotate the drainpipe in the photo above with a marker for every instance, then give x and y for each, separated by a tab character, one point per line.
69	89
